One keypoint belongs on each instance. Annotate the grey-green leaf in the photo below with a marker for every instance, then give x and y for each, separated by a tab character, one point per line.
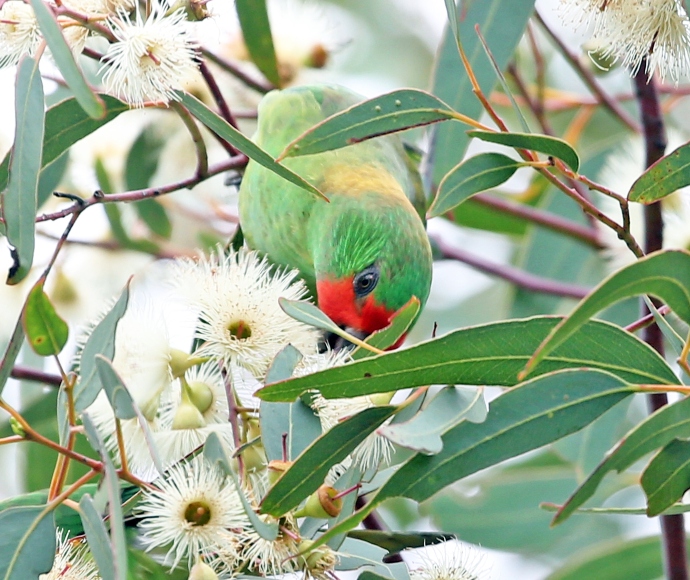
256	31
552	146
27	542
472	176
64	59
19	203
101	341
224	130
389	113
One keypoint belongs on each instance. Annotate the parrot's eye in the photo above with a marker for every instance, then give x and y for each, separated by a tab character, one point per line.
366	281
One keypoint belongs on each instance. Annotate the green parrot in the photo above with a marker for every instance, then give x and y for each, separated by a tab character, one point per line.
366	251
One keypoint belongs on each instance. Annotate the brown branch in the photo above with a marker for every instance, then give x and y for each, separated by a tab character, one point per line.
258	85
548	220
672	526
149	192
26	374
514	275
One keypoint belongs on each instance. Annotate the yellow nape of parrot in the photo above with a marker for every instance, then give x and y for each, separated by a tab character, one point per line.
366	253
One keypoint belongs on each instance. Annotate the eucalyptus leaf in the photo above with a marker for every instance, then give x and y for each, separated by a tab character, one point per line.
45	331
669	174
27	542
256	33
667	477
664	274
389	113
391	334
20	202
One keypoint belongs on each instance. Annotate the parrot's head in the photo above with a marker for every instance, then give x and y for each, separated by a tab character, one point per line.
371	256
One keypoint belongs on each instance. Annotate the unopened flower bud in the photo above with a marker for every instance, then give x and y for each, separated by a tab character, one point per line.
276	468
16	427
181	362
202	571
201	395
322	504
187	416
320	559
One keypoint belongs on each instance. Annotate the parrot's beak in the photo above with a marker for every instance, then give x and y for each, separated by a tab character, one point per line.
336	342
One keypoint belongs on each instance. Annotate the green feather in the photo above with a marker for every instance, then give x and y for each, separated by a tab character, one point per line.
370	218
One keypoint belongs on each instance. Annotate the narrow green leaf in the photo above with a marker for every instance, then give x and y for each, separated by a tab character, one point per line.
664	177
215	453
101	341
387	337
27	542
423	432
657	430
502	29
46	332
155	216
534	414
396	542
224	130
13	348
19	204
490	354
311	467
308	313
97	537
64	59
65	124
667	477
640	558
664	274
397	111
469	177
256	31
675	341
552	146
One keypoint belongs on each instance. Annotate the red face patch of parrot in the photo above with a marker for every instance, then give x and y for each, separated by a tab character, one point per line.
337	299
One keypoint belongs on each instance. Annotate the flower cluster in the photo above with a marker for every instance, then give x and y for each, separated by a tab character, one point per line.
654	32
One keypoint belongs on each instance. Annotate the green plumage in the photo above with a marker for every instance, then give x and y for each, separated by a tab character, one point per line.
369	219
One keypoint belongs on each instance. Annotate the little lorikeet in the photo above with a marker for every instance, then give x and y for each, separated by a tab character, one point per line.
366	251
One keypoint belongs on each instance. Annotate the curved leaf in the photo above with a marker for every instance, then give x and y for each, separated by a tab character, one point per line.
664	177
657	430
471	176
46	332
19	204
667	477
502	29
27	542
388	336
490	354
389	113
665	275
256	32
226	131
64	59
534	414
552	146
65	124
308	471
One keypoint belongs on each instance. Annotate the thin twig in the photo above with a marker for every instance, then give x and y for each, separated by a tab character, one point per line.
258	85
588	78
514	275
197	139
149	192
26	374
556	223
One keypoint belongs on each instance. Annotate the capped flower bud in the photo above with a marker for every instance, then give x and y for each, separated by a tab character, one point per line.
202	571
201	395
322	504
319	560
181	362
378	399
276	468
188	416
